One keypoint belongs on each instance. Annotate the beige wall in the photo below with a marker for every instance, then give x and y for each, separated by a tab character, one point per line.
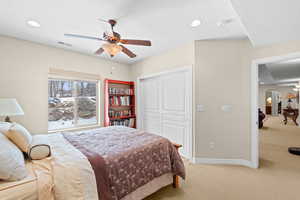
222	71
178	57
277	50
223	77
24	68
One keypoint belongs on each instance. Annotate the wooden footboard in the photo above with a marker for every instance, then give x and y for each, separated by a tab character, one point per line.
175	181
176	178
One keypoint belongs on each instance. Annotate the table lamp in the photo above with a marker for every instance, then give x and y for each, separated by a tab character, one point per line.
10	107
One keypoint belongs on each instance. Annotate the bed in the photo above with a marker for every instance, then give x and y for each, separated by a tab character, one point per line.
24	189
105	163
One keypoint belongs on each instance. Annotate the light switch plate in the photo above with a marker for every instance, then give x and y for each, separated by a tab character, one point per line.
200	108
226	108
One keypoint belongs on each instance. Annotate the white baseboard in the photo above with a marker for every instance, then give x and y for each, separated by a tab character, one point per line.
242	162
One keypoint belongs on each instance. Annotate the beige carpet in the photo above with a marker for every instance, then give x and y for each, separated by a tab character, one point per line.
278	177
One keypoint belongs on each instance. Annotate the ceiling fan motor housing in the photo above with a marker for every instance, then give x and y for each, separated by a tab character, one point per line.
115	38
112	22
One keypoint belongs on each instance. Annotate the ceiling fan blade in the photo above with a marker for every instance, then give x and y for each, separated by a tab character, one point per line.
99	51
83	36
103	20
128	52
136	42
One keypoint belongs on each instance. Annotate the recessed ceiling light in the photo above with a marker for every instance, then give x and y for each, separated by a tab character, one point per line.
33	23
225	22
195	23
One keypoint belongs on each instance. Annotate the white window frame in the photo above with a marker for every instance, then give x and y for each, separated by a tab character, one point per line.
98	88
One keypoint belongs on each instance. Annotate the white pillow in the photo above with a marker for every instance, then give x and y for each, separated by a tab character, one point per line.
39	148
20	136
12	163
4	127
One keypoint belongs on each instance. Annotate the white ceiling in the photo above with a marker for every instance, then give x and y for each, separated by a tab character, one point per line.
165	22
269	21
283	73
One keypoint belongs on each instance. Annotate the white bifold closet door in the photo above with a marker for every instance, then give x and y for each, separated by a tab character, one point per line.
166	102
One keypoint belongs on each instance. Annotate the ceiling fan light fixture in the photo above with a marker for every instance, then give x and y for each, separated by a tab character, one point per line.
112	49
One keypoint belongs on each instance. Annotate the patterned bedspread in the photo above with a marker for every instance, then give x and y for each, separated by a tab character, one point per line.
124	159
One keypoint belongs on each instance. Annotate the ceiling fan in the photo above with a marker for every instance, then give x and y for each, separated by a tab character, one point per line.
112	39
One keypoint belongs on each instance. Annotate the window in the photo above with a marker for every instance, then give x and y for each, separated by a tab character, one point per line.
72	103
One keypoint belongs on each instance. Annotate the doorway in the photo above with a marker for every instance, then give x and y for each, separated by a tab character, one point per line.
275	94
165	106
272	100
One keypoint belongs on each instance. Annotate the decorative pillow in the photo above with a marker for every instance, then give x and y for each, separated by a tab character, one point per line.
4	127
12	163
39	148
20	136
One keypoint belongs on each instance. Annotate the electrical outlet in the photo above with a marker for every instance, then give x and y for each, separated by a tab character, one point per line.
211	145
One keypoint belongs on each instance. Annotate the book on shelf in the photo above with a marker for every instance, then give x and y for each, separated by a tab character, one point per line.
121	91
121	113
131	122
124	122
119	101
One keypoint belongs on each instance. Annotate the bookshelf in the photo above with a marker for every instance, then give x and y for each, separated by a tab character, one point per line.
119	103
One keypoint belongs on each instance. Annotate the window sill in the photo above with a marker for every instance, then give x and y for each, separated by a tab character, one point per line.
79	128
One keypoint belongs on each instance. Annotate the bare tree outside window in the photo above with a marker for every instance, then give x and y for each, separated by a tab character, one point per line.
71	103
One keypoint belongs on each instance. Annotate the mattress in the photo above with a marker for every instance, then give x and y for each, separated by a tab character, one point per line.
25	189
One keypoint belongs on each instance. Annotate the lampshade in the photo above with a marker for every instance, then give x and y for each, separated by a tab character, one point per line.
291	96
10	107
112	49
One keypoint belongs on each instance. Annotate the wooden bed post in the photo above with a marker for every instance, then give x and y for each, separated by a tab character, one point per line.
175	181
175	177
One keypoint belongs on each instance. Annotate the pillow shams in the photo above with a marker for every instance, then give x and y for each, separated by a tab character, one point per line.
4	127
20	136
39	148
12	163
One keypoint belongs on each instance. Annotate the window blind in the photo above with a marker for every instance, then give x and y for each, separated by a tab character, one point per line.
64	74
